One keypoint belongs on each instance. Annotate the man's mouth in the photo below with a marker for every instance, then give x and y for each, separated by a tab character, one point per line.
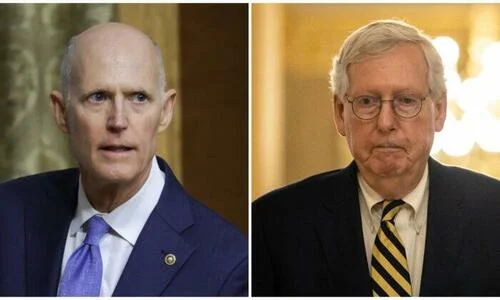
389	147
116	148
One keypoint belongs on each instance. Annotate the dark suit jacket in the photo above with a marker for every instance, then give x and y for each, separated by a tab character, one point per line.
212	255
307	238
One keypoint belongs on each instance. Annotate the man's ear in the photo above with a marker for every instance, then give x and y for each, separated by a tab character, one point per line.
167	110
59	110
338	111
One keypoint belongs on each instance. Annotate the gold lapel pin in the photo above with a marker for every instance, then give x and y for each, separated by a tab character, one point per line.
170	259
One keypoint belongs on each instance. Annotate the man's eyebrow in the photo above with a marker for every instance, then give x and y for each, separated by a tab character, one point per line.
130	92
396	91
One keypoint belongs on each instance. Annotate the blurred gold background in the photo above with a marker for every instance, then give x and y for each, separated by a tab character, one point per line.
293	133
205	48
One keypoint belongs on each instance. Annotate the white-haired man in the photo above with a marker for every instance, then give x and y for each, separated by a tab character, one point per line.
394	222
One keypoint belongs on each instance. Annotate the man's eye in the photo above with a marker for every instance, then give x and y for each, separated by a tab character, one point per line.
97	97
407	100
139	97
366	101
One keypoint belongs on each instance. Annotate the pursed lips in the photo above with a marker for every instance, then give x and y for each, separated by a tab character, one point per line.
116	148
388	147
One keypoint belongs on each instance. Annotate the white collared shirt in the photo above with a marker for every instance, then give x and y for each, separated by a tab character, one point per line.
411	224
126	222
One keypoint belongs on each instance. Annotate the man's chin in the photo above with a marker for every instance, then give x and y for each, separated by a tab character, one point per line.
387	168
114	175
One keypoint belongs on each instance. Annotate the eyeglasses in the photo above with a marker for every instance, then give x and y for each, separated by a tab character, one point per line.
369	107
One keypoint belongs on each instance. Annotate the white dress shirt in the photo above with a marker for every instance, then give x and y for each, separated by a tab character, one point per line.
126	222
411	224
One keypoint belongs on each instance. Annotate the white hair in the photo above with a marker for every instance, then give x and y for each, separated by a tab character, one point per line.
377	38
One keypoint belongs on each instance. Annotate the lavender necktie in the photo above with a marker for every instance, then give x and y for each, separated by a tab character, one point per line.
83	273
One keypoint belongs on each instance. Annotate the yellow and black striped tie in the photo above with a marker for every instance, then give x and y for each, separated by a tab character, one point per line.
389	271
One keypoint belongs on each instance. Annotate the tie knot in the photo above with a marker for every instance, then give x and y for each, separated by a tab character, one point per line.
391	208
96	228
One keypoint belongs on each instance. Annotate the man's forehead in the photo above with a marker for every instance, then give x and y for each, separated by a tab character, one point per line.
401	50
114	39
114	53
115	46
110	68
115	68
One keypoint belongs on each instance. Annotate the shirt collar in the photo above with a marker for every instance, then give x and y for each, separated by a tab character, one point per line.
414	198
128	219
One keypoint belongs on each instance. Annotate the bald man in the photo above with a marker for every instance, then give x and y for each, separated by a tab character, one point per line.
120	224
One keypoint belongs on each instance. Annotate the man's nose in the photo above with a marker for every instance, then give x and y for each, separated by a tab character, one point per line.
387	117
117	117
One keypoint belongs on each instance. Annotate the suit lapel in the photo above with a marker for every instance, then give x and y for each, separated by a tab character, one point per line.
47	223
444	233
341	235
146	272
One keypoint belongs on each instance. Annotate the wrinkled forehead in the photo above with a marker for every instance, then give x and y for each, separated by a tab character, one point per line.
400	50
402	67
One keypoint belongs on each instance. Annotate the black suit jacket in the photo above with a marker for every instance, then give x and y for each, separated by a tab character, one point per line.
308	241
211	254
